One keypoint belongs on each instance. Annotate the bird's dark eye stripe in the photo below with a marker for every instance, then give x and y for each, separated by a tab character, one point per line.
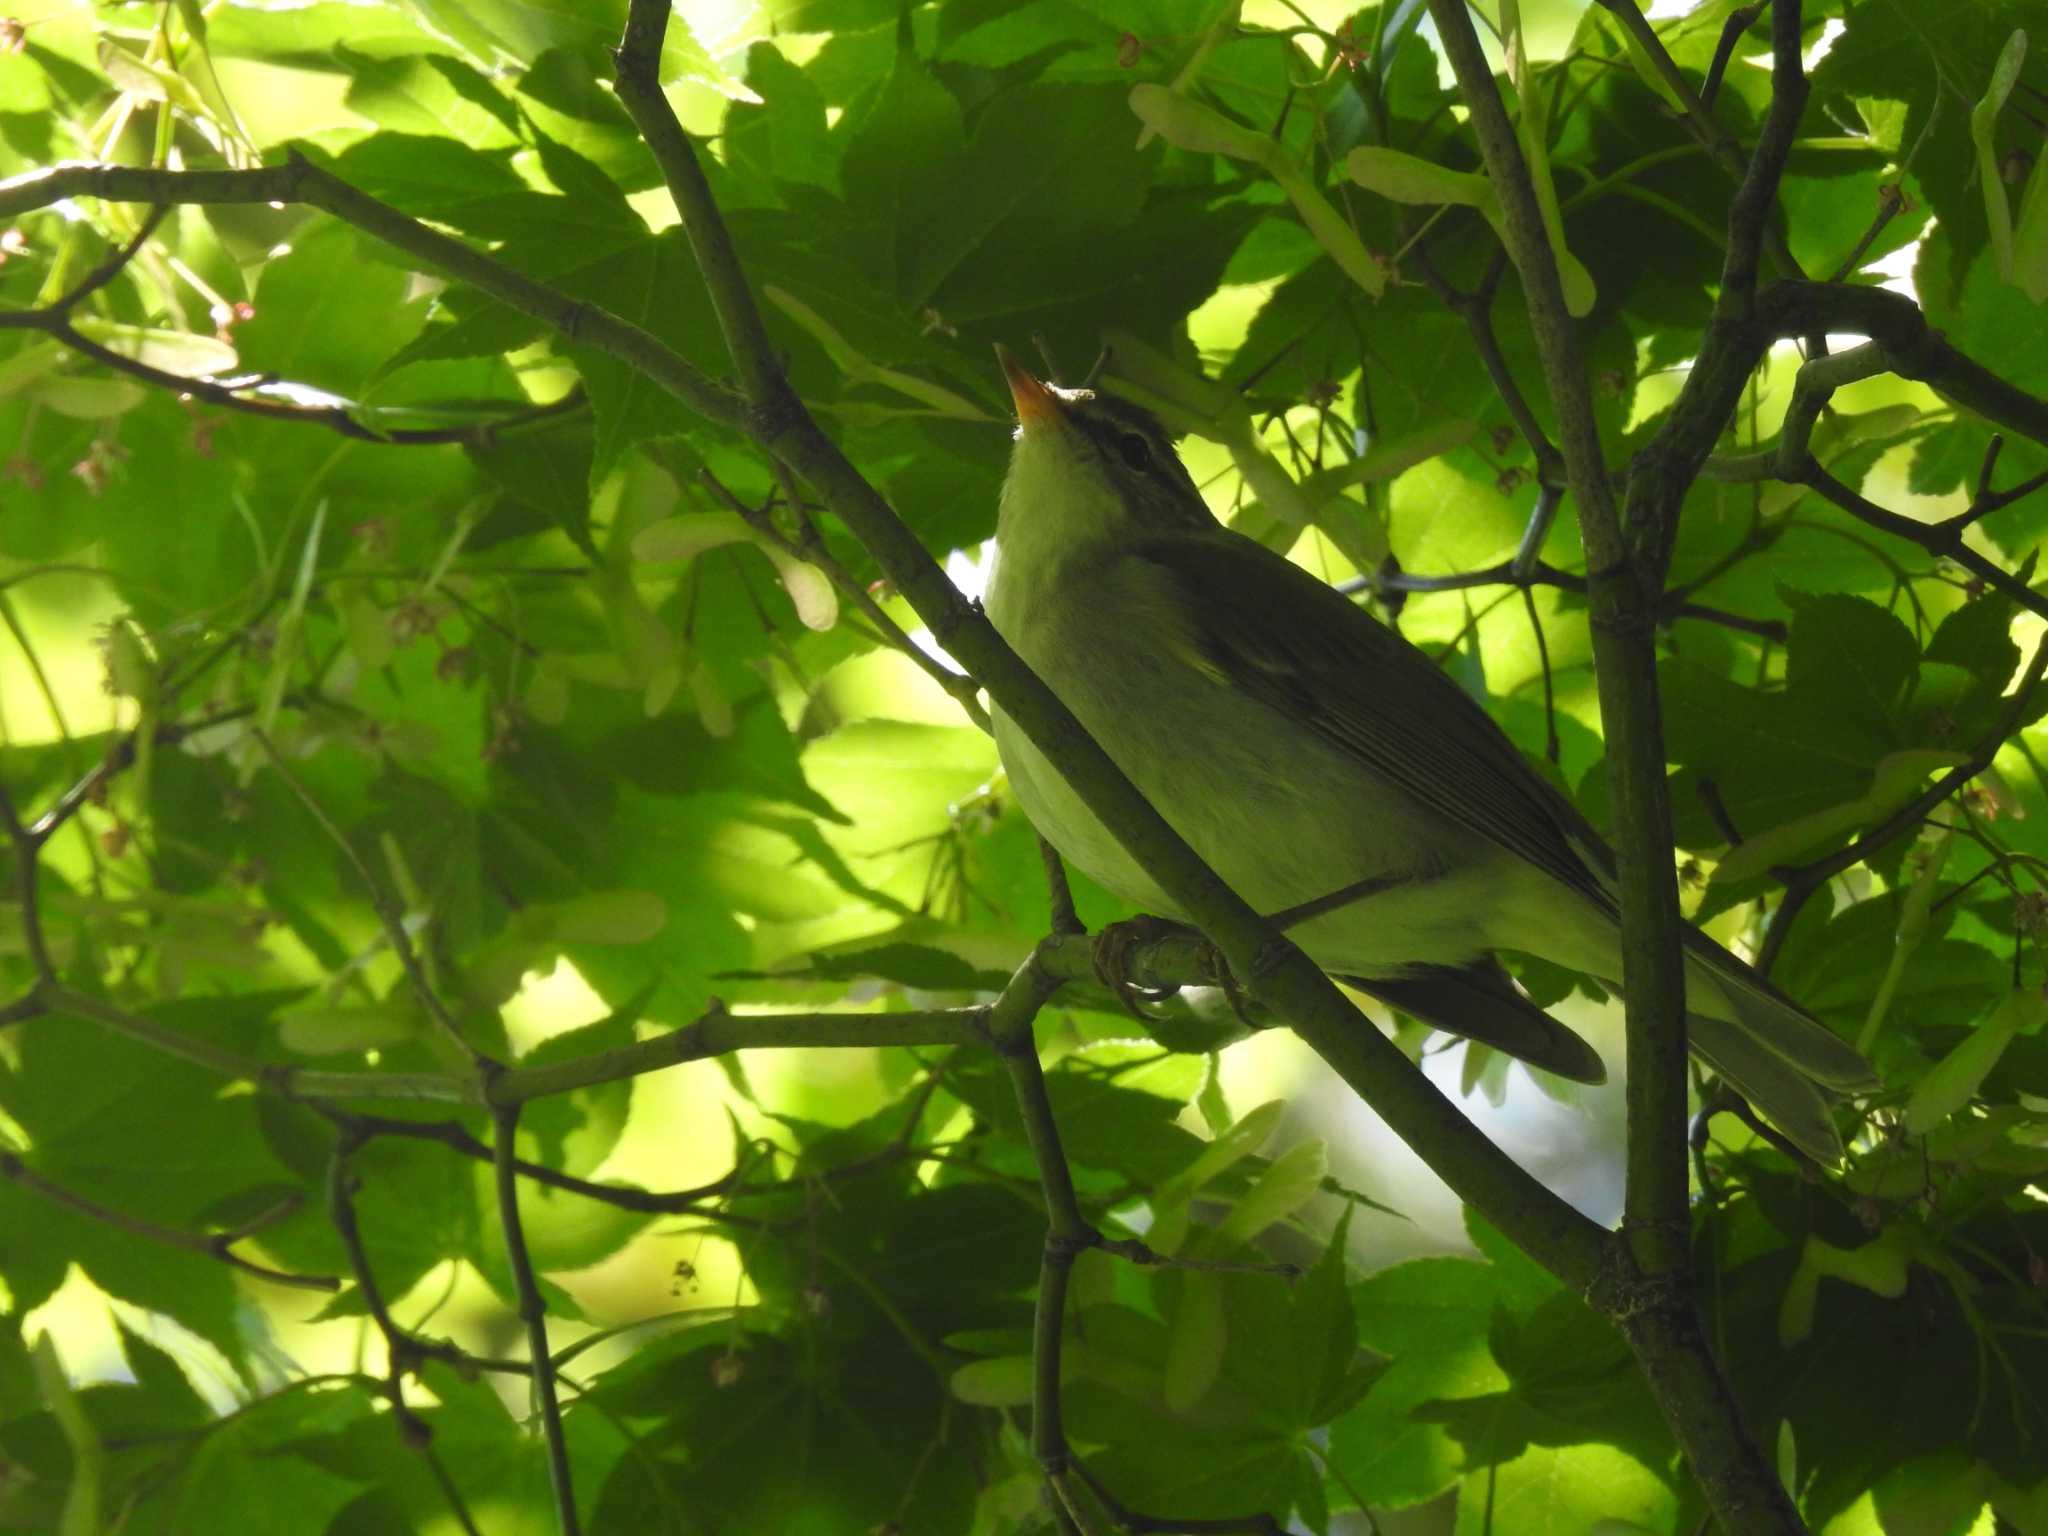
1127	434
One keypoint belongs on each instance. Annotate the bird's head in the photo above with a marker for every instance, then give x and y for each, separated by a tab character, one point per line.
1089	467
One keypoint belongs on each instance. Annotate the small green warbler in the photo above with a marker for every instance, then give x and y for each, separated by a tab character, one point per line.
1325	768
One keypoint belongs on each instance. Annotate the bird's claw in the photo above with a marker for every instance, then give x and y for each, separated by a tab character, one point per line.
1111	954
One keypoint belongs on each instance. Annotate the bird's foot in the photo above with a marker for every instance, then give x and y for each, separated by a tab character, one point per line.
1112	957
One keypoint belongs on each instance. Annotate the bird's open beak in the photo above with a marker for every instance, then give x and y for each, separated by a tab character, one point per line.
1035	403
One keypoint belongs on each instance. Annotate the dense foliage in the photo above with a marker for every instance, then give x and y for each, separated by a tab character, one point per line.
421	729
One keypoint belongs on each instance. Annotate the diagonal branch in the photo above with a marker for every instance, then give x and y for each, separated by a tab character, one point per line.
300	181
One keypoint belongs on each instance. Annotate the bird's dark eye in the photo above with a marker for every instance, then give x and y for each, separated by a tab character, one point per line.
1135	450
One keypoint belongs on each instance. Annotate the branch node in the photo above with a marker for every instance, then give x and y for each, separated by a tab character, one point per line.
1621	1292
1065	1247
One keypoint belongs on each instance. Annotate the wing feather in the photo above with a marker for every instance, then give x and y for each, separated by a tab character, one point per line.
1370	693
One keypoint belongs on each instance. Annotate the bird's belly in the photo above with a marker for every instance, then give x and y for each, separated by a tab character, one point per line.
1283	817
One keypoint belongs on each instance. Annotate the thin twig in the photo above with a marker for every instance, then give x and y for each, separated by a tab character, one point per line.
1803	881
26	850
1944	538
1738	22
217	1247
388	914
230	394
533	1313
957	685
1476	310
1505	575
406	1348
1891	202
1552	748
1060	895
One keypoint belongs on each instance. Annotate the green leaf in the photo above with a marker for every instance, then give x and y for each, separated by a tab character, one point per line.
430	95
242	1472
325	317
433	177
1850	660
884	168
1956	52
1405	178
1189	125
2005	74
1894	780
1290	1182
549	471
1566	1488
1328	1378
83	1499
1197	1337
1949	1084
1431	1317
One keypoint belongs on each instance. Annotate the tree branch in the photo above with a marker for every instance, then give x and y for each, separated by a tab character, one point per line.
25	849
1650	1295
1913	348
300	181
227	393
1670	607
1739	21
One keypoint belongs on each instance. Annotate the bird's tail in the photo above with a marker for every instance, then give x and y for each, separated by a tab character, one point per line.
1481	1002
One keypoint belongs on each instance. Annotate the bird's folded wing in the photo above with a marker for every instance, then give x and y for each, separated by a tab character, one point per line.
1305	650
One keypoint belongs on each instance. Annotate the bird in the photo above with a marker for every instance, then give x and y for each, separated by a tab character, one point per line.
1325	768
